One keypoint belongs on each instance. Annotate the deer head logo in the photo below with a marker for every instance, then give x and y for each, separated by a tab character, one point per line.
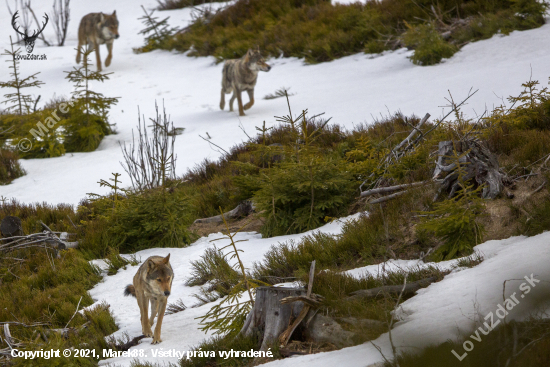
29	40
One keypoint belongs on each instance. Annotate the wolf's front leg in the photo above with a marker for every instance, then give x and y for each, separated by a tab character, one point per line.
143	304
97	56
251	97
110	56
162	309
154	310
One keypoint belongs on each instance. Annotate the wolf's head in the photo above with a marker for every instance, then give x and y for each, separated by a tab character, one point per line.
160	276
255	61
109	26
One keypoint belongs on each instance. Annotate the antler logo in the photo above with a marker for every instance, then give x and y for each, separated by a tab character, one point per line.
29	40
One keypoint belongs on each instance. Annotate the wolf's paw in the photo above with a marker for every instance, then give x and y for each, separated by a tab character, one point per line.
148	333
222	105
108	61
248	105
156	340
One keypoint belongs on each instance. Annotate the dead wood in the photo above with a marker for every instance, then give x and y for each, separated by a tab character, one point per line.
384	190
269	317
242	210
409	289
131	343
479	163
308	301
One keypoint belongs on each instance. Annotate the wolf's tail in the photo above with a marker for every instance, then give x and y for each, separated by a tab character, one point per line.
130	290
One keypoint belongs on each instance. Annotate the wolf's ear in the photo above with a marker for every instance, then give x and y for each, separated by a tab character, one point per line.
151	264
101	17
166	259
114	13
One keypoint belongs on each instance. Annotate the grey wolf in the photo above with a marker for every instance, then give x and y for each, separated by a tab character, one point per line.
152	283
96	29
241	75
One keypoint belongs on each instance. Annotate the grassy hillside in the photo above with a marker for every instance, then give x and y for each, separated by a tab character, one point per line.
319	31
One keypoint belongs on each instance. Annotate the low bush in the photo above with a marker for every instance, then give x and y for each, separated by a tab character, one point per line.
10	169
429	47
319	31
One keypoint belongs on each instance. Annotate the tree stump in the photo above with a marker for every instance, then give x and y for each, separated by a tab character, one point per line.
269	318
479	162
11	226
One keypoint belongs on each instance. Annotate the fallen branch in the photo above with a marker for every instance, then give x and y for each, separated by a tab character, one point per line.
406	290
242	210
383	190
124	347
386	198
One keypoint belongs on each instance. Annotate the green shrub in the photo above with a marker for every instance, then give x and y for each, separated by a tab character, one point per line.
153	218
88	121
429	47
319	31
10	169
31	136
298	196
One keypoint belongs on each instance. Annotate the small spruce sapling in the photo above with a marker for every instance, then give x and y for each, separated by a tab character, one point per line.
88	122
228	316
155	31
19	103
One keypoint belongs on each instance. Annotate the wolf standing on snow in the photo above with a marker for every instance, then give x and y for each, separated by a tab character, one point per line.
241	75
96	29
152	283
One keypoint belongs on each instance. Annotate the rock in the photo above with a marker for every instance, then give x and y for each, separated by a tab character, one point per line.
323	329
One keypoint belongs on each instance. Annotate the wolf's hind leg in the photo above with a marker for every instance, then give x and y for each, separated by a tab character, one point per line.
78	51
222	101
232	100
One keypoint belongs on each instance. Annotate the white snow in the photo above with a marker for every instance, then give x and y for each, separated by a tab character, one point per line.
180	331
352	90
453	307
445	310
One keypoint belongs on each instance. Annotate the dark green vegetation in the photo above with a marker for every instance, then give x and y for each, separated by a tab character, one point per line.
75	125
300	174
516	344
41	290
319	31
10	169
403	227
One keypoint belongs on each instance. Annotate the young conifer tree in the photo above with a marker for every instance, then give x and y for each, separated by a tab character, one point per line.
88	121
18	102
155	31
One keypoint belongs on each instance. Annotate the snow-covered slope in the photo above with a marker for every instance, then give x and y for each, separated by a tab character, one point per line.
352	90
180	331
442	311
